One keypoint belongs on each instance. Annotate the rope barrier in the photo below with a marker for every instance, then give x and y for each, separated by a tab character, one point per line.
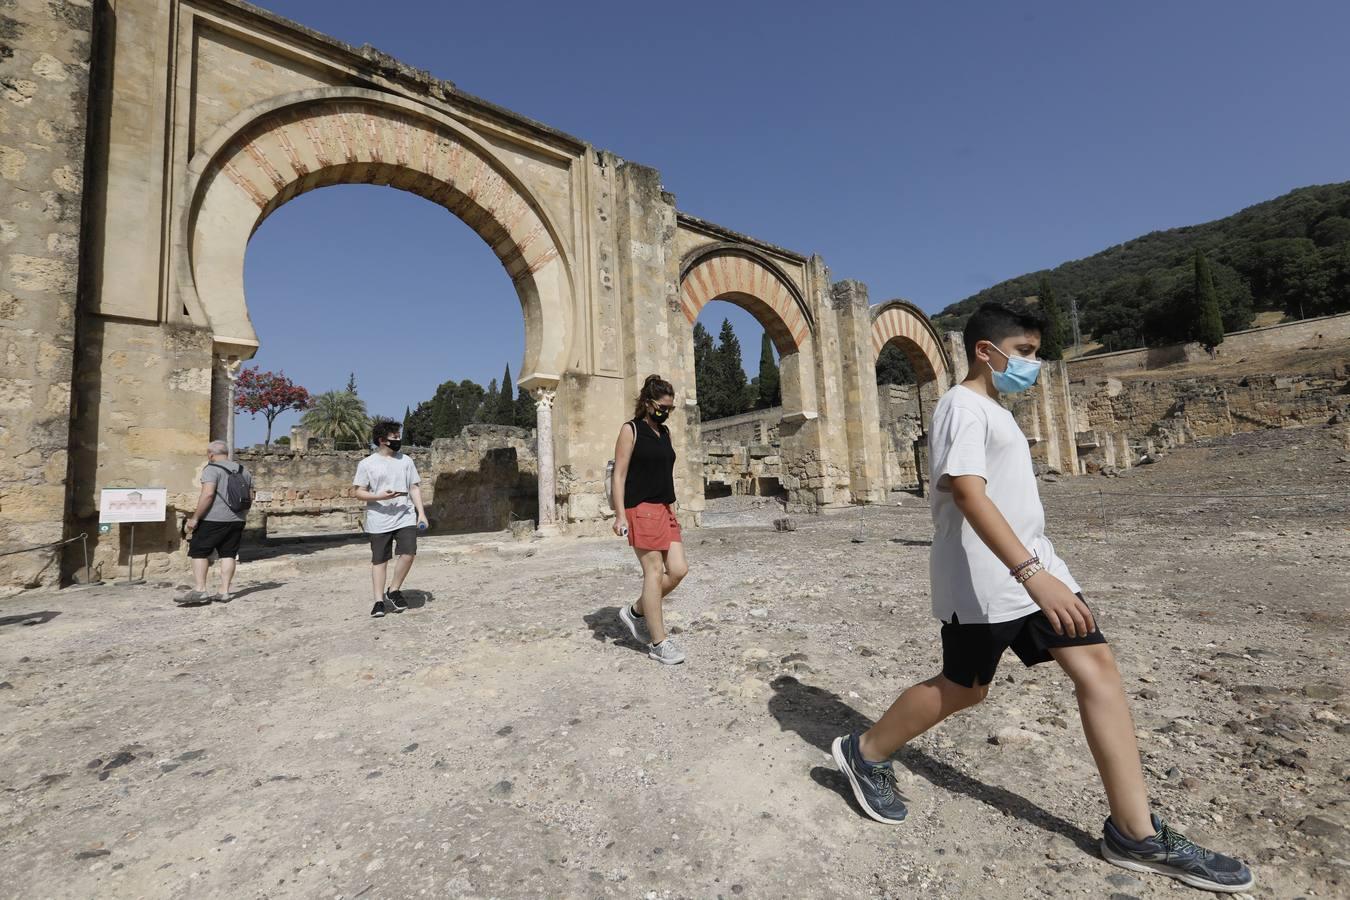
45	546
82	537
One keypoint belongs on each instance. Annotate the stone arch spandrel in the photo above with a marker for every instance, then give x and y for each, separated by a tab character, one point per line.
903	323
270	155
740	274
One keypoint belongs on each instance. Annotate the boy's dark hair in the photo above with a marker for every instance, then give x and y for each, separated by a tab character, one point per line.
996	321
384	428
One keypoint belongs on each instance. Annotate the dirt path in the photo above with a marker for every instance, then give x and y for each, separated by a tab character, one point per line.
505	739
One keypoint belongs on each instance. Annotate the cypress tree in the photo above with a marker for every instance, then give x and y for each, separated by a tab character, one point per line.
1052	337
525	413
731	371
505	403
705	378
1206	322
769	388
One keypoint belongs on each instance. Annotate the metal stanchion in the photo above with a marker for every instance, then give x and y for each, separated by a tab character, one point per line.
131	558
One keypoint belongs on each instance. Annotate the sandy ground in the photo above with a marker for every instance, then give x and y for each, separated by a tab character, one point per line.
505	739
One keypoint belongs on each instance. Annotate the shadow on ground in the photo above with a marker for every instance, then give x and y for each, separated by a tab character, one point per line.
417	599
257	588
33	618
606	627
819	716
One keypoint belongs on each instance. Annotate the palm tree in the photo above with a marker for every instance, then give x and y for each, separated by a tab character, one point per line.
340	415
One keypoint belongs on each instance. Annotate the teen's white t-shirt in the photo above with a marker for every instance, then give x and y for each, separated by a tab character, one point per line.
377	474
973	435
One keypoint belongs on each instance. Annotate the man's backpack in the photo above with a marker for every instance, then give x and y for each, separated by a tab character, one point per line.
237	494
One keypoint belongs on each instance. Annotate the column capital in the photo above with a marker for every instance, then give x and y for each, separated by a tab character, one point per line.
544	397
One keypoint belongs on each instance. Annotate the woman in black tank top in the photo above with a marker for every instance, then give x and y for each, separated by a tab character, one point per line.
643	491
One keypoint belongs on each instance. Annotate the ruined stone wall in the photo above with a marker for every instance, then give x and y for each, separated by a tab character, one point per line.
1309	333
759	426
1125	421
45	50
477	481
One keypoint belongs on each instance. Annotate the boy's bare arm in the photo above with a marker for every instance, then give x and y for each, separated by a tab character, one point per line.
1060	605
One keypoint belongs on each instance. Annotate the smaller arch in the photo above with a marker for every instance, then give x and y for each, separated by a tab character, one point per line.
905	324
743	275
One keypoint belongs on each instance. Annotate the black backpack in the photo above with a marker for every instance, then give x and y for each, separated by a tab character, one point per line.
238	496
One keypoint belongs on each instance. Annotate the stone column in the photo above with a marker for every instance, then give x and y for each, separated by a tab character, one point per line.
548	478
231	368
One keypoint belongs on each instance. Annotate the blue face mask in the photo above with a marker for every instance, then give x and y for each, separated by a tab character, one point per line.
1019	375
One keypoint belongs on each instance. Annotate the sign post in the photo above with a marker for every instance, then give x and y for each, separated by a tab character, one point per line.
129	506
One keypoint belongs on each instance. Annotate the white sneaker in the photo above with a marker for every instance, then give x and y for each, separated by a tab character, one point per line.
666	652
637	626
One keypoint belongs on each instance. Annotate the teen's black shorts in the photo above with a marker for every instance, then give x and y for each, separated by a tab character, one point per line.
970	653
222	537
382	545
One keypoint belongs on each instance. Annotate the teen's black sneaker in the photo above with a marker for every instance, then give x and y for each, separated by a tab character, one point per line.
1169	853
377	611
873	783
395	599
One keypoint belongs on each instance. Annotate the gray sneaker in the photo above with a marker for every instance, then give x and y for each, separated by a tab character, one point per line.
193	598
637	625
666	652
1170	853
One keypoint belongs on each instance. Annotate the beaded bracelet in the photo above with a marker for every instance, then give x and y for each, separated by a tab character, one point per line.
1013	571
1025	575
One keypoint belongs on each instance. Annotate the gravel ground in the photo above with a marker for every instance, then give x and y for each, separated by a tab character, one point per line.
504	738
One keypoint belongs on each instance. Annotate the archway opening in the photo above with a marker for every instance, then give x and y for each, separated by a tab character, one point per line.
740	400
383	305
905	403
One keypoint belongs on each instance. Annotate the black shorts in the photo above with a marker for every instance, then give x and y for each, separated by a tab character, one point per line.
222	537
970	653
382	545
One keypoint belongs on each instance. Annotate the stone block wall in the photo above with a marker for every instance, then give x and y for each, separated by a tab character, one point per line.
1309	333
1123	421
45	50
477	481
759	426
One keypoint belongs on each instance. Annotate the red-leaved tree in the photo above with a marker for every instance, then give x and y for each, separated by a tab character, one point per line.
269	393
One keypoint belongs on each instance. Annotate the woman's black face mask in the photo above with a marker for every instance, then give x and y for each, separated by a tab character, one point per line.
660	413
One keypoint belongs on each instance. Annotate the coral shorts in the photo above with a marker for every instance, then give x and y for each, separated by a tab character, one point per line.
652	526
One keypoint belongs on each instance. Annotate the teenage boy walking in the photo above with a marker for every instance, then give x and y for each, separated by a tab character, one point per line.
388	482
997	584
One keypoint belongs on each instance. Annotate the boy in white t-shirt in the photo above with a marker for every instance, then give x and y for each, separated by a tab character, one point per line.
998	584
388	482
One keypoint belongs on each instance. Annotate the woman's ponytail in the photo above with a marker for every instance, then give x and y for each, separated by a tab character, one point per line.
653	389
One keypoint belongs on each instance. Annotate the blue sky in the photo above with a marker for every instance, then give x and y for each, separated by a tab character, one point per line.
930	150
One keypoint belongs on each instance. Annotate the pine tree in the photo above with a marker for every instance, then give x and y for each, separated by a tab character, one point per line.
487	405
351	383
1052	336
894	367
768	387
1206	322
